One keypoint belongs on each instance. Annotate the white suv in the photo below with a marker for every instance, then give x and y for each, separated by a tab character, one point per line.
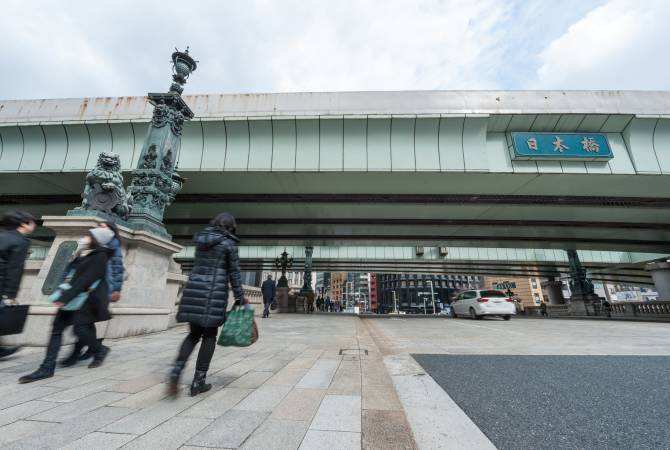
486	302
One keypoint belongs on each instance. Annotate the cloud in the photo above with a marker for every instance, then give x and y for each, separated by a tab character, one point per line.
620	45
77	48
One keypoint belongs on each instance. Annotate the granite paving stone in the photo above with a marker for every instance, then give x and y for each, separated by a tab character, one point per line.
286	376
217	404
137	384
330	440
76	408
265	398
299	404
143	398
386	430
277	435
381	398
338	413
22	429
24	394
84	390
23	410
148	418
71	430
98	440
230	430
251	380
169	435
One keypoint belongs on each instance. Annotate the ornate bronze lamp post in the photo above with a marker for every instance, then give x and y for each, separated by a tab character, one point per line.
283	262
155	181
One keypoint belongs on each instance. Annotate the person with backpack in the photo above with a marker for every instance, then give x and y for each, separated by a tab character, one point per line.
14	246
114	278
82	301
205	298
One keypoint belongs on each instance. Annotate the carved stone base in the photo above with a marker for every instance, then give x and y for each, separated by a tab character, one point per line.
151	288
284	305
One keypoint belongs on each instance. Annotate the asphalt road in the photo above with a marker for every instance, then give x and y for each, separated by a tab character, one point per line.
560	402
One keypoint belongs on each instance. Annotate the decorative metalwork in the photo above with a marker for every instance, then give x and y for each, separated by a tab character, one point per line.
155	182
580	285
307	284
283	262
104	190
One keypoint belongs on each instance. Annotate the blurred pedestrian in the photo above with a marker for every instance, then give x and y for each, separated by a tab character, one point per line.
114	277
205	297
86	281
268	290
309	298
14	247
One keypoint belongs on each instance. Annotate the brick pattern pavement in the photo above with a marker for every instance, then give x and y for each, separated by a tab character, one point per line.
310	382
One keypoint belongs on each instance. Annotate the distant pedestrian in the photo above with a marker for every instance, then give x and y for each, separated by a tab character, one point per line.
14	247
309	298
87	277
114	277
268	290
319	303
328	303
543	309
205	297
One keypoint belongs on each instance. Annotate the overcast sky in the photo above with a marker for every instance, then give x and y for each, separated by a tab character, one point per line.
54	49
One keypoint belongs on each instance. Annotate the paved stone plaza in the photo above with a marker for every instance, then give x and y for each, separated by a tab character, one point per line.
311	382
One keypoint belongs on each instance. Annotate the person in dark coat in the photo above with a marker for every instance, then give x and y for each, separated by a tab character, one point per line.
205	297
13	252
88	267
268	290
114	277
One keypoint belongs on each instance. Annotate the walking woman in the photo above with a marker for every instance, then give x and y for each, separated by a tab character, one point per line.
114	278
88	271
205	297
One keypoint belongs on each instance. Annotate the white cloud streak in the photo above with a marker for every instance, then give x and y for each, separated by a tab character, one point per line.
81	48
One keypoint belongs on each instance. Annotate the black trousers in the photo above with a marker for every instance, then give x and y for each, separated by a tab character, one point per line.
208	335
85	334
266	308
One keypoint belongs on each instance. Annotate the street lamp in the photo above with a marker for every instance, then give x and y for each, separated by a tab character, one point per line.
284	262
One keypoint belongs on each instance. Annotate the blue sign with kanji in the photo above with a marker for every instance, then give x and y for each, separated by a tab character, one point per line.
561	146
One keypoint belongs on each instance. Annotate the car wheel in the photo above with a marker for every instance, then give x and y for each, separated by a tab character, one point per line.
453	313
473	314
507	317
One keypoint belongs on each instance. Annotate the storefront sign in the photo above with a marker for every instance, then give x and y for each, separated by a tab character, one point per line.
504	286
561	146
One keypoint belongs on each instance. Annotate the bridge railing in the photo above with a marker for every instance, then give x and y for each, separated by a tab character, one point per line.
638	309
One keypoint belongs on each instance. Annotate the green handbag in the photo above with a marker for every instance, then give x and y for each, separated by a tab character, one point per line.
239	330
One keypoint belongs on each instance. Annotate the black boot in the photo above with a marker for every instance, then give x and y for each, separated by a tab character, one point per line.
173	379
99	358
40	374
198	386
74	356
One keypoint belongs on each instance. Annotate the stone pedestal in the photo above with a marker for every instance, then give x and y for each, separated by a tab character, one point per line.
660	273
283	303
151	288
554	290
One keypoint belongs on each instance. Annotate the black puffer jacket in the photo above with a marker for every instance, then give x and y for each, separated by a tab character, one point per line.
217	263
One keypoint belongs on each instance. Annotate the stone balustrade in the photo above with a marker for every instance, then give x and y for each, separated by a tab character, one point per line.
659	310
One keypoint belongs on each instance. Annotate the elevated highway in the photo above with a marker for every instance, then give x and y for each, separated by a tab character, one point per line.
371	168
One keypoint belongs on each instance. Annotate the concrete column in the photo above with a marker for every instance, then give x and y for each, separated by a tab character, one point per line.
660	273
